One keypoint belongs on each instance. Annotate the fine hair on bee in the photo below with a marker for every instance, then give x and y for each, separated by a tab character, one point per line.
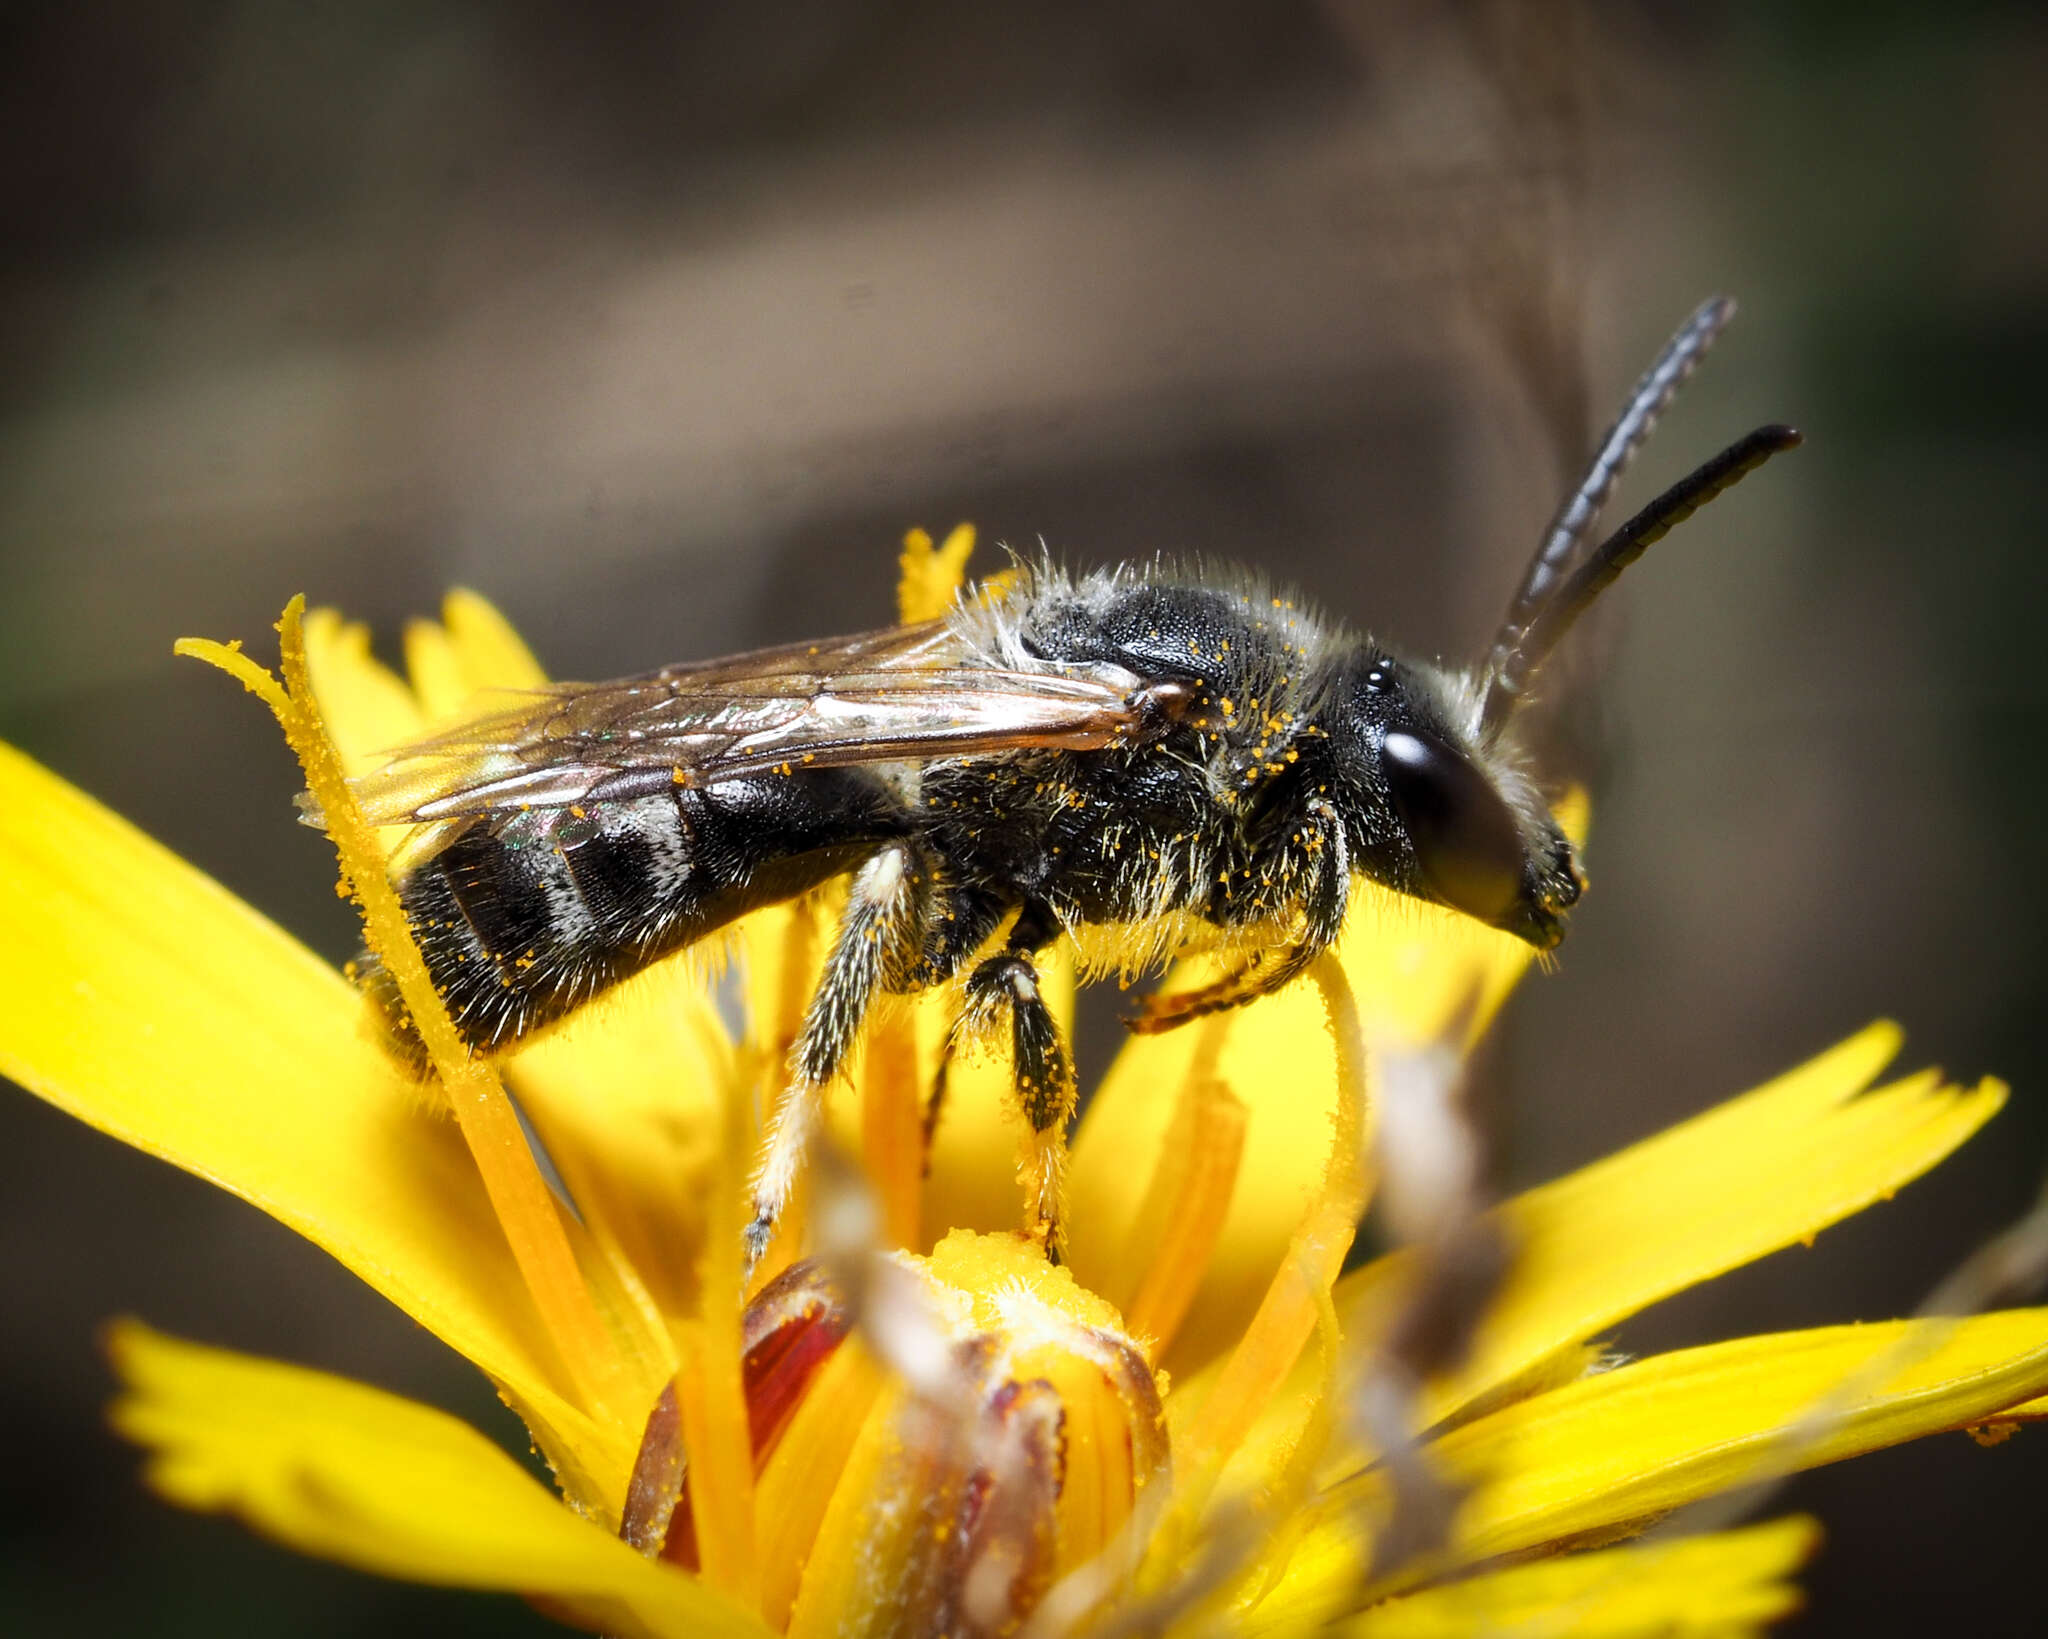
1142	762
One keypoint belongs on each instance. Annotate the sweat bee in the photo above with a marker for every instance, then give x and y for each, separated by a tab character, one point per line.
1144	760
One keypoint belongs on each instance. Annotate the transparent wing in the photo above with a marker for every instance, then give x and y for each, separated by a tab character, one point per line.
908	693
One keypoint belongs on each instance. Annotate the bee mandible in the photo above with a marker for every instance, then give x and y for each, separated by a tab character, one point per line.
1144	761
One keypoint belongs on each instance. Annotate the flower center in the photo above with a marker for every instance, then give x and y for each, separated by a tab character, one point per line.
949	1505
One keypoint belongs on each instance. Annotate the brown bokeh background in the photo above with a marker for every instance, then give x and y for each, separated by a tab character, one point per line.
659	324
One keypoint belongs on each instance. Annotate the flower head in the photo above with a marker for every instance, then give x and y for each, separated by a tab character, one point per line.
913	1423
989	1430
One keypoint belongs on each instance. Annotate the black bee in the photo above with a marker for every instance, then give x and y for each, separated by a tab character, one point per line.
1142	761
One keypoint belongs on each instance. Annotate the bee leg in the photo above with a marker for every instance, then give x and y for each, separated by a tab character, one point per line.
1046	1091
1317	856
1257	977
957	931
880	937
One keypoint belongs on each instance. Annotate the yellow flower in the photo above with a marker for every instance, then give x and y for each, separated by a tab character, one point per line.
954	1436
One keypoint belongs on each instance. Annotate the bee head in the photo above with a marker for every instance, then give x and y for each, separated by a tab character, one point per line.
1441	804
1433	809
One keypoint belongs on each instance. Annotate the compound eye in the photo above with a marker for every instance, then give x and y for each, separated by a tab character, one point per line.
1465	840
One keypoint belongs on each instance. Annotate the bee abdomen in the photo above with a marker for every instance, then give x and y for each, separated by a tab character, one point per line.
523	919
522	923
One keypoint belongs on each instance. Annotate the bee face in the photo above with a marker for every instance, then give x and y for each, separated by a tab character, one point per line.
1445	815
1472	850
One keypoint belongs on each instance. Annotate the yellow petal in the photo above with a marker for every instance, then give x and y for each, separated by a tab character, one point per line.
1181	1216
147	1001
710	1382
1721	1190
803	1473
626	1098
349	1473
489	650
435	671
1276	1061
455	665
782	951
1419	969
1416	970
1602	1455
892	1118
1726	1583
844	1558
1654	1435
1727	1187
1298	1301
929	577
369	709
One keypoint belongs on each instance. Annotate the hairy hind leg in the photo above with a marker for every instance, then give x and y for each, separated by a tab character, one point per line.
879	940
1007	985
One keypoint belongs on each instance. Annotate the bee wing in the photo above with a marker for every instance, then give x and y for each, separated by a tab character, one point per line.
902	694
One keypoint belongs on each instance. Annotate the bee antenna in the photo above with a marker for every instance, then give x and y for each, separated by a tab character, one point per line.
1604	564
1506	670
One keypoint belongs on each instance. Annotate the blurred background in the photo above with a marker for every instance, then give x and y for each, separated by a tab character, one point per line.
659	324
